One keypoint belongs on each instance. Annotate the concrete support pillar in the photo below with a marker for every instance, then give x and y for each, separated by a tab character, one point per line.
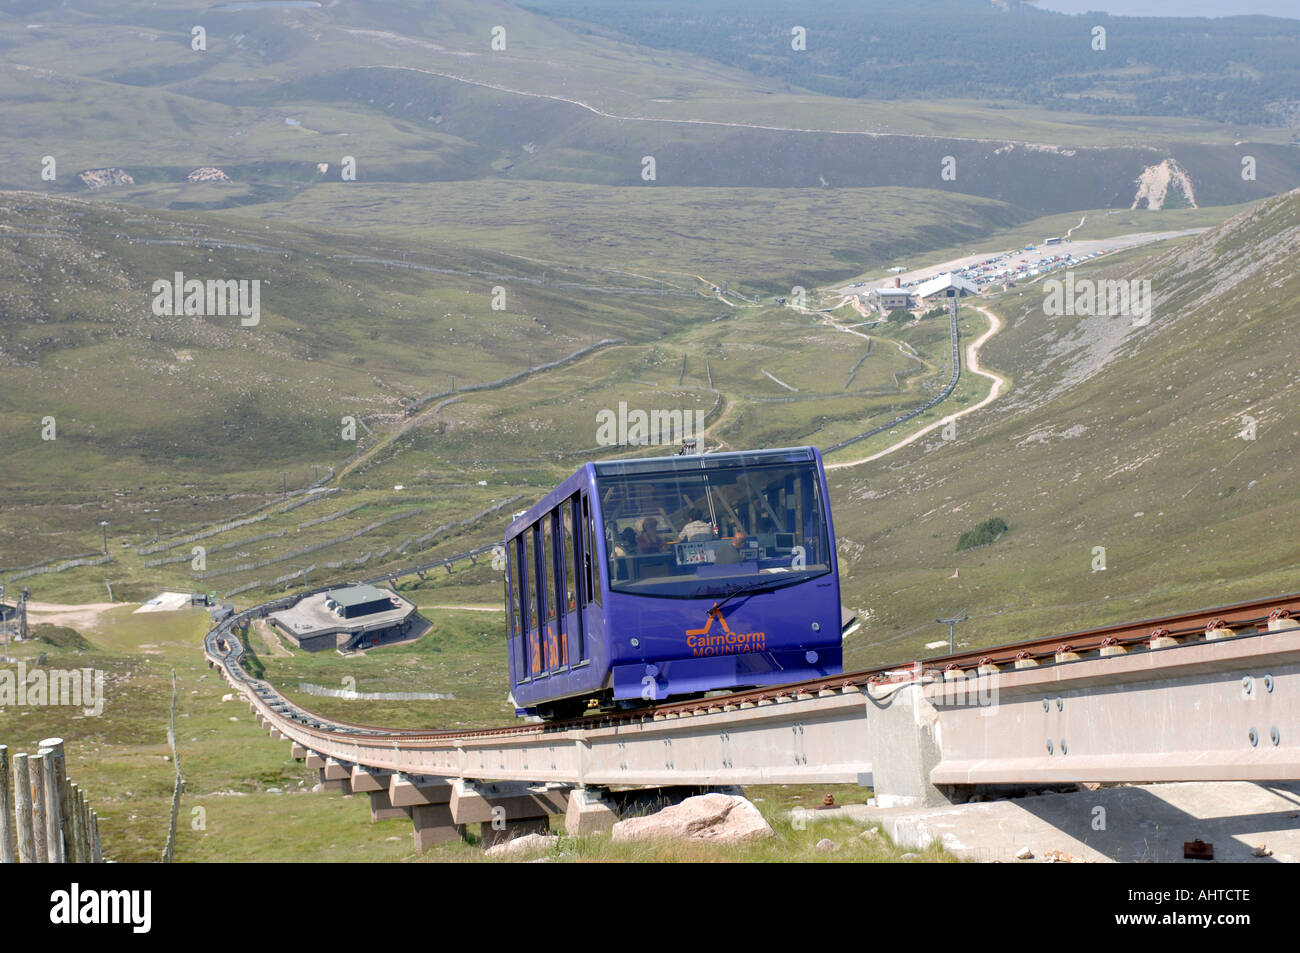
588	812
297	752
506	809
903	748
381	808
473	802
335	786
336	770
413	790
314	761
368	779
434	824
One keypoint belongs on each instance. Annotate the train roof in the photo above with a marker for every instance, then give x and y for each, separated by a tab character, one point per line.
705	461
670	464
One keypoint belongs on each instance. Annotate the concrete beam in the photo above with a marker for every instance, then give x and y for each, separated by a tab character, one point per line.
414	790
381	808
1209	711
297	752
433	824
315	761
505	800
336	770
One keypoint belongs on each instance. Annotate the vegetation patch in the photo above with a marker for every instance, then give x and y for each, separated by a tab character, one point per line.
982	535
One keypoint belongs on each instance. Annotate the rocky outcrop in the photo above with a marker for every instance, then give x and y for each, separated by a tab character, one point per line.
718	818
207	173
1154	183
103	178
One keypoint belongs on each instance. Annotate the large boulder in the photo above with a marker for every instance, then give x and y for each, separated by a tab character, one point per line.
720	818
521	844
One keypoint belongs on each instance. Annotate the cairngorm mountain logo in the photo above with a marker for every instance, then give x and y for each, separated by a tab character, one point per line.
213	297
726	642
641	428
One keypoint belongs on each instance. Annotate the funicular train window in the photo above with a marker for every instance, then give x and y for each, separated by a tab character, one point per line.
550	644
571	555
592	594
535	601
512	590
693	529
573	571
519	597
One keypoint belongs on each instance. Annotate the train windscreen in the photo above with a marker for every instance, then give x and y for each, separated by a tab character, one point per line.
680	532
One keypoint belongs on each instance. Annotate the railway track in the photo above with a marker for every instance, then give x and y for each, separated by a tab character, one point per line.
916	411
1157	640
1206	695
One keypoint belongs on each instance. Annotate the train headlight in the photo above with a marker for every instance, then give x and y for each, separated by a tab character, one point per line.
811	656
817	626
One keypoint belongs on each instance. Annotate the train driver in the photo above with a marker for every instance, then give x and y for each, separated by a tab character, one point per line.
732	552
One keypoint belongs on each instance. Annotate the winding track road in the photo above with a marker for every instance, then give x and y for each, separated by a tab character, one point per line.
972	362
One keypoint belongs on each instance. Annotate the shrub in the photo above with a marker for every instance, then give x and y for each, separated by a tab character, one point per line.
987	532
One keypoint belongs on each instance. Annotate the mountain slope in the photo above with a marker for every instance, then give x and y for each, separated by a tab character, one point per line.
1115	437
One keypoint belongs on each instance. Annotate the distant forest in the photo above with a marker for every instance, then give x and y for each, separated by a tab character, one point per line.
1235	70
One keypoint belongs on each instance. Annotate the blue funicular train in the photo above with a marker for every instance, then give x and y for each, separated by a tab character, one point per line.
645	579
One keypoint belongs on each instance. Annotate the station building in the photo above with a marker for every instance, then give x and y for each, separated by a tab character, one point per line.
945	286
349	618
887	299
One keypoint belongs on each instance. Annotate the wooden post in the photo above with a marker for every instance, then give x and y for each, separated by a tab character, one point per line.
85	829
61	775
23	810
74	841
36	769
96	848
6	811
53	819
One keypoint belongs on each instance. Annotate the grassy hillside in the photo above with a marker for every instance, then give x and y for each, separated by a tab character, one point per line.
165	424
1127	438
415	94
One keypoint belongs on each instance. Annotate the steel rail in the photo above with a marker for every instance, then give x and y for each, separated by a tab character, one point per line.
812	730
